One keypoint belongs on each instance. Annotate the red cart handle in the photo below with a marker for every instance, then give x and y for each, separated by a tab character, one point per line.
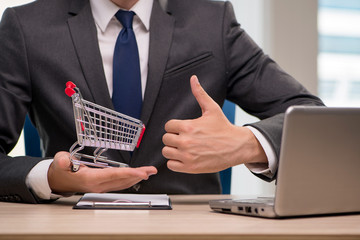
141	136
69	90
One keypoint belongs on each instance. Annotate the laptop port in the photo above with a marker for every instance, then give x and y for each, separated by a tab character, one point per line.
241	208
226	209
248	209
256	210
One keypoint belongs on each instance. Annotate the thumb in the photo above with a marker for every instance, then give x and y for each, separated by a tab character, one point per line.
62	160
205	101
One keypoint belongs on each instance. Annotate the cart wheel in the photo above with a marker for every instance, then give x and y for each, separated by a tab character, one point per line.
75	167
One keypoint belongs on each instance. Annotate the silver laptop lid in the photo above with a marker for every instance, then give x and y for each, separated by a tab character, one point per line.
319	170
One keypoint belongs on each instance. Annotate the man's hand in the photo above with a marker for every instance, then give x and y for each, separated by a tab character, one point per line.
86	179
209	143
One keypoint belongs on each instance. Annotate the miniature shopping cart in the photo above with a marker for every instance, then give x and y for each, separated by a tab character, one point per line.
101	128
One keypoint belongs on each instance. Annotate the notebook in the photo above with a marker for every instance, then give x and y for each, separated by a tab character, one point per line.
319	167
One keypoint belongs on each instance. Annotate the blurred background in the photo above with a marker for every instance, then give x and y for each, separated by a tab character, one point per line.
317	42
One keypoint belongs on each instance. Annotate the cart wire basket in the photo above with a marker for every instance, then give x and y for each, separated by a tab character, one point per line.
100	128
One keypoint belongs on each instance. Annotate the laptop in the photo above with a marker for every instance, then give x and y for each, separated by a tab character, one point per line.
319	167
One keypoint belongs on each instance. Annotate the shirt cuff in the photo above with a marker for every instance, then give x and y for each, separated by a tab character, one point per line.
37	181
269	169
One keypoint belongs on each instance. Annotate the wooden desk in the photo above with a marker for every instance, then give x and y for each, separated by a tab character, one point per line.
191	218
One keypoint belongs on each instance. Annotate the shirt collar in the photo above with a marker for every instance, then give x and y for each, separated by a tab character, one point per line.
104	11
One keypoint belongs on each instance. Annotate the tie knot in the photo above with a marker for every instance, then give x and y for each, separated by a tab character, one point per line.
125	17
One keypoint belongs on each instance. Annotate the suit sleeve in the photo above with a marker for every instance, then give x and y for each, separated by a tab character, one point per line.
15	98
257	84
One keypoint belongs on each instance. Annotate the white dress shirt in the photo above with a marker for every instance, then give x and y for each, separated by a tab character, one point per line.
108	28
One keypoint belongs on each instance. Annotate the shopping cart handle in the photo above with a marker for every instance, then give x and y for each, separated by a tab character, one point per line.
141	136
69	90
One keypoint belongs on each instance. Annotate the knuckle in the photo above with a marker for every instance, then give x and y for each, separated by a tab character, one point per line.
165	138
168	125
186	142
165	152
187	127
189	159
169	165
172	165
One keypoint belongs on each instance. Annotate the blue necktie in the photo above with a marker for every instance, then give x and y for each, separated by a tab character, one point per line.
127	97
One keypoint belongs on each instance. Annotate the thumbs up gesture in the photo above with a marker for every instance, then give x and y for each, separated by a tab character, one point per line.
209	143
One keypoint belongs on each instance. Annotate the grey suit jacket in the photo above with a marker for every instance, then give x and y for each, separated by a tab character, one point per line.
47	43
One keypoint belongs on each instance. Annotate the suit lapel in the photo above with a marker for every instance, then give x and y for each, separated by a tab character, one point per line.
84	36
161	31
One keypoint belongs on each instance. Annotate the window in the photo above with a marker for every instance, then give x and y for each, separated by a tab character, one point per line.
339	52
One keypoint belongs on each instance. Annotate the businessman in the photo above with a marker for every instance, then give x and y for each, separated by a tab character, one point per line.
191	55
